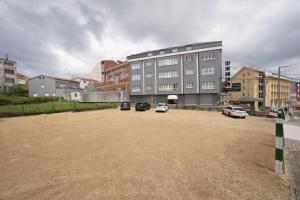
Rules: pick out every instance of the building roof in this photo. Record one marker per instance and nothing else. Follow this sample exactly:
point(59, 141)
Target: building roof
point(267, 73)
point(198, 45)
point(84, 78)
point(122, 64)
point(7, 60)
point(22, 76)
point(56, 78)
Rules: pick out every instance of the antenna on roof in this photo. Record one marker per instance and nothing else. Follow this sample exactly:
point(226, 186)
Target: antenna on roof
point(6, 57)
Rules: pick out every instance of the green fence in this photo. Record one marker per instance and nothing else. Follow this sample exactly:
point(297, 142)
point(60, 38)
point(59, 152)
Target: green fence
point(51, 107)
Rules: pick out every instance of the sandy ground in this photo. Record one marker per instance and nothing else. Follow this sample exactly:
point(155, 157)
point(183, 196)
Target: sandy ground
point(112, 154)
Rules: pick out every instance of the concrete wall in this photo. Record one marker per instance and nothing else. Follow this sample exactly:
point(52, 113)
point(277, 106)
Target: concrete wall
point(115, 96)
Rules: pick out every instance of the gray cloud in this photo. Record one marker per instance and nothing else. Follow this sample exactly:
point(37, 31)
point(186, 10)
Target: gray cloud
point(255, 33)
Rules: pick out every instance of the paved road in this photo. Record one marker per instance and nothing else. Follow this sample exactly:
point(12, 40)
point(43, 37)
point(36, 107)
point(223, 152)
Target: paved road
point(296, 120)
point(292, 139)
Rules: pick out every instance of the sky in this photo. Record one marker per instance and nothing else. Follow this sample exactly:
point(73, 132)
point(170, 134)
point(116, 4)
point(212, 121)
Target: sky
point(64, 38)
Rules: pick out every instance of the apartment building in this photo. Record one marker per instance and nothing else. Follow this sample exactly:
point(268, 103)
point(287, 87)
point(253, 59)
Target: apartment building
point(297, 87)
point(53, 86)
point(188, 74)
point(98, 70)
point(117, 72)
point(7, 73)
point(22, 80)
point(248, 82)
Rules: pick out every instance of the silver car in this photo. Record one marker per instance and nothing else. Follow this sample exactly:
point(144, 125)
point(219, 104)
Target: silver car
point(235, 111)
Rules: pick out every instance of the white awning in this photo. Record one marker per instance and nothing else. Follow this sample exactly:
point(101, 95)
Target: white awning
point(172, 97)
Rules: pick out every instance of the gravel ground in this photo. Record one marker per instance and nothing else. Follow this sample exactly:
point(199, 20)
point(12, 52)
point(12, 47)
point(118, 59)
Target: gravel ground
point(112, 154)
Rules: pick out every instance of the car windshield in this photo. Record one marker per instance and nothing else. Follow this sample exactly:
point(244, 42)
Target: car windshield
point(161, 104)
point(238, 108)
point(140, 104)
point(125, 103)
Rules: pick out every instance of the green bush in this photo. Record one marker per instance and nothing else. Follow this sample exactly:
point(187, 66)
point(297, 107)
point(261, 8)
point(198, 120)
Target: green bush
point(8, 100)
point(15, 91)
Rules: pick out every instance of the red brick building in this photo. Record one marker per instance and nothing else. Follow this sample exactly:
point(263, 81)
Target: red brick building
point(298, 91)
point(116, 76)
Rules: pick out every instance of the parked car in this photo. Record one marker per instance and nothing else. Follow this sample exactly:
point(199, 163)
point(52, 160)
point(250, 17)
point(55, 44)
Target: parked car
point(148, 106)
point(162, 107)
point(269, 109)
point(125, 106)
point(140, 107)
point(235, 111)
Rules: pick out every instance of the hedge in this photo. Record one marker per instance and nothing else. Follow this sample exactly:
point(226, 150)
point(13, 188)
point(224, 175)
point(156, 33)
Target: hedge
point(9, 100)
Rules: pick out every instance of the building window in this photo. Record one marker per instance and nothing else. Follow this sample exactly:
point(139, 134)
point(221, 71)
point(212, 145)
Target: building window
point(148, 75)
point(174, 50)
point(148, 63)
point(209, 56)
point(189, 72)
point(150, 54)
point(136, 88)
point(167, 61)
point(9, 71)
point(188, 58)
point(188, 48)
point(35, 94)
point(168, 87)
point(8, 63)
point(42, 86)
point(169, 74)
point(189, 85)
point(135, 66)
point(208, 85)
point(54, 94)
point(148, 87)
point(46, 94)
point(260, 95)
point(75, 95)
point(208, 71)
point(136, 77)
point(9, 80)
point(162, 52)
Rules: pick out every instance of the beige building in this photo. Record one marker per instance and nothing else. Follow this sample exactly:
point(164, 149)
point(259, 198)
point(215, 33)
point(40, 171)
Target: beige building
point(250, 81)
point(7, 73)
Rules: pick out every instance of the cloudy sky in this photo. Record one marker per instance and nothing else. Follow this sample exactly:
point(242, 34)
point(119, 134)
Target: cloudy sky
point(69, 37)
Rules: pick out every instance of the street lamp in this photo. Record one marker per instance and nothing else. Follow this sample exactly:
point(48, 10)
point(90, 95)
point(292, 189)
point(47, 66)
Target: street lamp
point(279, 88)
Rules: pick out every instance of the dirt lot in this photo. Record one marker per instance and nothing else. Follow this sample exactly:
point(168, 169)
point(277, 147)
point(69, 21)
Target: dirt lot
point(110, 154)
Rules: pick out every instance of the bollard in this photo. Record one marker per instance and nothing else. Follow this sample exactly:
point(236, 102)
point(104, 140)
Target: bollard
point(279, 144)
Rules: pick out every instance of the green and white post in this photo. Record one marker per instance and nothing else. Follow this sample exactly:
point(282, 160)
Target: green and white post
point(279, 143)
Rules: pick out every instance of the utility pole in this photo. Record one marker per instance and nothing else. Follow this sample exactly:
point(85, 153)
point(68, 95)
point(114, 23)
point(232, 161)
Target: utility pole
point(264, 93)
point(279, 88)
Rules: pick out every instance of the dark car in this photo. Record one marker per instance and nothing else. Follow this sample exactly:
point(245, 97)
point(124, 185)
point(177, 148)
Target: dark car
point(125, 106)
point(140, 107)
point(148, 106)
